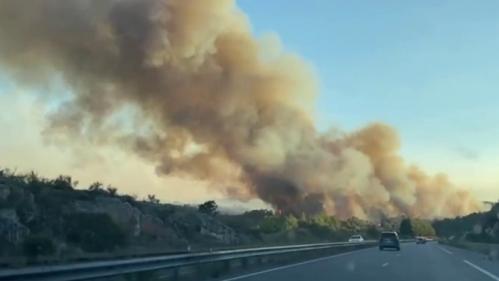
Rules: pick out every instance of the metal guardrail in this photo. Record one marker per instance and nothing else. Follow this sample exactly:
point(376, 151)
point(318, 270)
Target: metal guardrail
point(100, 269)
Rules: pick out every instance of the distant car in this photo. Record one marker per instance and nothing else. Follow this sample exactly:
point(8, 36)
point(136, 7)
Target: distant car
point(389, 240)
point(421, 240)
point(356, 238)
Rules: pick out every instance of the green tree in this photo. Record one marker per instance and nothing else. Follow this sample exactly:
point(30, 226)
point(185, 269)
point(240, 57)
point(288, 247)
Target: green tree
point(274, 224)
point(324, 220)
point(323, 226)
point(406, 228)
point(416, 227)
point(422, 228)
point(209, 208)
point(260, 214)
point(372, 232)
point(291, 222)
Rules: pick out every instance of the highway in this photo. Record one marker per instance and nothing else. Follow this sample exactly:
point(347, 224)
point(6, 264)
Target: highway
point(414, 262)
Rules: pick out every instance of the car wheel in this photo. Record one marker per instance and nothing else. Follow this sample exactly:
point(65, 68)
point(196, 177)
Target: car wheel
point(398, 248)
point(381, 248)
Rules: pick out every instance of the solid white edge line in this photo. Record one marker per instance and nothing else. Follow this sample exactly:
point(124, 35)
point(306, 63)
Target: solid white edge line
point(445, 250)
point(482, 270)
point(288, 266)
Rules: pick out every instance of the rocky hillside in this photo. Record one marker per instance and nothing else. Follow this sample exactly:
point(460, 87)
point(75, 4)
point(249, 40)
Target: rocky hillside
point(50, 220)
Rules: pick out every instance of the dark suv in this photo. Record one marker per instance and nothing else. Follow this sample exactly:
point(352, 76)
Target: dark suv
point(389, 240)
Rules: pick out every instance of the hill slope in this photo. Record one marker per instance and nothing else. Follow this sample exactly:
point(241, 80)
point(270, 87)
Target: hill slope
point(51, 219)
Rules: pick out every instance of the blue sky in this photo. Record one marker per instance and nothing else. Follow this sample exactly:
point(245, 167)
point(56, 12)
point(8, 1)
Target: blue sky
point(428, 68)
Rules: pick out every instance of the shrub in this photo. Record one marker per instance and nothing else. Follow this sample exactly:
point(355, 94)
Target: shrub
point(63, 183)
point(151, 198)
point(34, 182)
point(112, 190)
point(97, 187)
point(38, 245)
point(94, 232)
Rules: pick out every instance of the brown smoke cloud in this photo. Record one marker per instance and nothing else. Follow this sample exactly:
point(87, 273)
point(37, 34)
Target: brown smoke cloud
point(185, 85)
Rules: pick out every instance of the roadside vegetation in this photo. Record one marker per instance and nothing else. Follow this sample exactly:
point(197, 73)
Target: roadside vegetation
point(416, 227)
point(54, 219)
point(477, 227)
point(267, 227)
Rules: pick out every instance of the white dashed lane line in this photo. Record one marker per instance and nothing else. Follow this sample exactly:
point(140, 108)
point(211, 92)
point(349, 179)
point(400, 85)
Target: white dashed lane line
point(288, 266)
point(445, 250)
point(385, 264)
point(482, 270)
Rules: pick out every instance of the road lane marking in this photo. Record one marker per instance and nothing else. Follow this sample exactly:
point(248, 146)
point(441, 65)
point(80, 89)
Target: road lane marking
point(482, 270)
point(445, 250)
point(287, 266)
point(385, 264)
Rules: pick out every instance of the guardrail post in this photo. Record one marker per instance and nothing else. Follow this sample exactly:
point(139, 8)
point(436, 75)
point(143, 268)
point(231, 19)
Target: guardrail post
point(199, 271)
point(227, 265)
point(175, 273)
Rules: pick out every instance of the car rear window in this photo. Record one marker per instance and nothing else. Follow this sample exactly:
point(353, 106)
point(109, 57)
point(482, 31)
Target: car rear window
point(356, 236)
point(389, 235)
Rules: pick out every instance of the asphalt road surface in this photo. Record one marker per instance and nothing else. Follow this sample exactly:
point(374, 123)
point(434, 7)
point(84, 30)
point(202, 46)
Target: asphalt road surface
point(414, 262)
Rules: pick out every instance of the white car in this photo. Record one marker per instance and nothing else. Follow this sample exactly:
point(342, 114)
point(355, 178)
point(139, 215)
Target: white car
point(356, 238)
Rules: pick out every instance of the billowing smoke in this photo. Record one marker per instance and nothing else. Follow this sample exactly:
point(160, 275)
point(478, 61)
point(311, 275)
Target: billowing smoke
point(185, 85)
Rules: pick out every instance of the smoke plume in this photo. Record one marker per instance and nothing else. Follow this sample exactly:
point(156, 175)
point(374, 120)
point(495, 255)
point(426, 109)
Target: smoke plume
point(185, 85)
